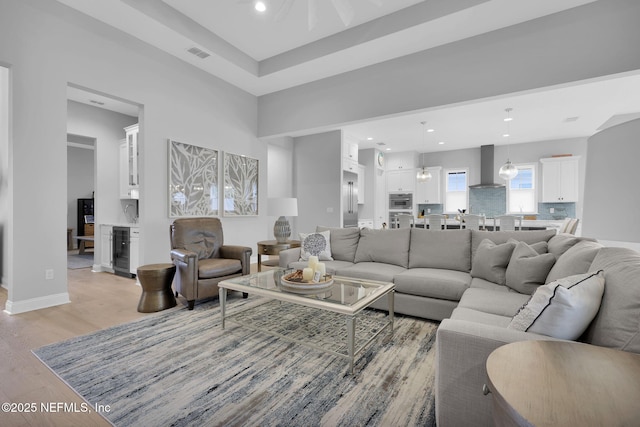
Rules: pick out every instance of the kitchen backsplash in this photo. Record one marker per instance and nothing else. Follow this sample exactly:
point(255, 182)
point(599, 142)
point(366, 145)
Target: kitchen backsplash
point(489, 201)
point(435, 209)
point(561, 211)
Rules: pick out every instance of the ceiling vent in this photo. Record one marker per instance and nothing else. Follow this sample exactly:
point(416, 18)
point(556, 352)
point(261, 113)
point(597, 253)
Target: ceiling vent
point(380, 143)
point(93, 101)
point(198, 52)
point(571, 119)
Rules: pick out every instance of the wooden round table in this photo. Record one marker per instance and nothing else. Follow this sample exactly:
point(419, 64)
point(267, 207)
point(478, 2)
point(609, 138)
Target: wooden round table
point(156, 280)
point(554, 383)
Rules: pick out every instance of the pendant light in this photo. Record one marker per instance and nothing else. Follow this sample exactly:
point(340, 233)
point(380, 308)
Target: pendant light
point(423, 175)
point(508, 171)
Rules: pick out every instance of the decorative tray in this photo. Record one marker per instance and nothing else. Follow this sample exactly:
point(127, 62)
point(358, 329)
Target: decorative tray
point(293, 283)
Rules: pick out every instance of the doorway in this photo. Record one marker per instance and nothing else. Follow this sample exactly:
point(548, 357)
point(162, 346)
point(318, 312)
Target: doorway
point(95, 131)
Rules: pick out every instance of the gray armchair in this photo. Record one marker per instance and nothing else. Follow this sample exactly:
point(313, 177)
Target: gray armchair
point(202, 259)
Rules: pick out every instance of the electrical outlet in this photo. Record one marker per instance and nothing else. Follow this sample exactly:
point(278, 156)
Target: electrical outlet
point(48, 274)
point(552, 210)
point(428, 210)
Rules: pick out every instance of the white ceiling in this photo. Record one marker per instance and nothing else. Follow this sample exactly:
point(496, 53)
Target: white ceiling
point(262, 54)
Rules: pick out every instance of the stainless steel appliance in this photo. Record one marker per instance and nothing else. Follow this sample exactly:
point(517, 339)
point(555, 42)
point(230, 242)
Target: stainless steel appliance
point(121, 251)
point(349, 199)
point(401, 201)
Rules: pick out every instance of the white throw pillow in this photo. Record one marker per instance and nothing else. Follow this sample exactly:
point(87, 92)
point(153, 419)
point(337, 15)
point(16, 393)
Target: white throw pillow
point(318, 244)
point(563, 308)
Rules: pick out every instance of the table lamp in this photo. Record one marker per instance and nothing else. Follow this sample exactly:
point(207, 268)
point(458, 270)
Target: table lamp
point(282, 207)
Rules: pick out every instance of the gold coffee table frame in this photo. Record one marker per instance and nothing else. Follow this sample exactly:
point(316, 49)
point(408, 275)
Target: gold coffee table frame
point(360, 295)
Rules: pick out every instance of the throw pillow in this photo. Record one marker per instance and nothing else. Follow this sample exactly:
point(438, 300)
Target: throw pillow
point(562, 309)
point(318, 244)
point(528, 269)
point(576, 260)
point(344, 242)
point(540, 247)
point(491, 260)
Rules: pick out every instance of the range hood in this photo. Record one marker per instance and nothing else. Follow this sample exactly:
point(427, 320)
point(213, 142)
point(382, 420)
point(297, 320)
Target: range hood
point(486, 169)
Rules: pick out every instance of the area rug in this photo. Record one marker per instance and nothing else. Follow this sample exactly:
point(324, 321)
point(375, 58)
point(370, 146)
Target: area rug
point(180, 368)
point(76, 261)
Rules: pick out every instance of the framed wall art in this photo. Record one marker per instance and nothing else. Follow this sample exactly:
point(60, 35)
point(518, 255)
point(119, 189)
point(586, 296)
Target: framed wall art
point(193, 180)
point(240, 185)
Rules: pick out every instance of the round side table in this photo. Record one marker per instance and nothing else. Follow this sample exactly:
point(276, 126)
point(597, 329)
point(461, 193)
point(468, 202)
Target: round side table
point(156, 280)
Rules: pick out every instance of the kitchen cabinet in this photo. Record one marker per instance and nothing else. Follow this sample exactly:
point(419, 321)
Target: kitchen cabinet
point(350, 155)
point(129, 176)
point(560, 179)
point(401, 180)
point(361, 183)
point(106, 246)
point(430, 191)
point(134, 249)
point(404, 160)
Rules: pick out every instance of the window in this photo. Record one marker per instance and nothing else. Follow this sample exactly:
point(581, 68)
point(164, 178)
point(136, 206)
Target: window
point(521, 190)
point(456, 189)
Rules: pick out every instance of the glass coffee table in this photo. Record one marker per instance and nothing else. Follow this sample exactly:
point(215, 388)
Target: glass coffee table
point(340, 307)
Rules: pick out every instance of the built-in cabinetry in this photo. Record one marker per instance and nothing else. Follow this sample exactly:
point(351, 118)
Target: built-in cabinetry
point(430, 191)
point(350, 155)
point(129, 176)
point(109, 252)
point(405, 160)
point(106, 246)
point(362, 176)
point(401, 180)
point(560, 179)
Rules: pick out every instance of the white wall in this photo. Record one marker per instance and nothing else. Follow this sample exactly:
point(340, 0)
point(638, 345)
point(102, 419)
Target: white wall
point(611, 195)
point(318, 180)
point(5, 197)
point(590, 41)
point(48, 46)
point(280, 177)
point(80, 183)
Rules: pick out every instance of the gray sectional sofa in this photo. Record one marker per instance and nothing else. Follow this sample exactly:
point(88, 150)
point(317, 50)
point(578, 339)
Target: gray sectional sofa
point(475, 282)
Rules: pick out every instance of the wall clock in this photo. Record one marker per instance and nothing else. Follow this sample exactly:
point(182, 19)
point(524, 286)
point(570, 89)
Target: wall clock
point(380, 159)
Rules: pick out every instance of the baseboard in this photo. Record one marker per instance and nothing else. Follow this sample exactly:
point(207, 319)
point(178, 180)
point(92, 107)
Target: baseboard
point(18, 307)
point(99, 268)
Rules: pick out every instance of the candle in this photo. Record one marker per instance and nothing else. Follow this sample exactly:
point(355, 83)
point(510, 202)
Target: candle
point(321, 268)
point(313, 261)
point(307, 274)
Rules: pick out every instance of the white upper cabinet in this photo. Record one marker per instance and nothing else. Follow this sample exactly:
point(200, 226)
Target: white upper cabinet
point(404, 160)
point(430, 191)
point(401, 180)
point(560, 179)
point(349, 155)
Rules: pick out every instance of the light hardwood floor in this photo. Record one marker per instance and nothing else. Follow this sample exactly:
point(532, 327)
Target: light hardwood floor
point(98, 301)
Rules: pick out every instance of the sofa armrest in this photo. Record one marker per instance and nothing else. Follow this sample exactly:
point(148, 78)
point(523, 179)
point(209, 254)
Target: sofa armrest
point(243, 253)
point(462, 349)
point(183, 255)
point(288, 256)
point(186, 278)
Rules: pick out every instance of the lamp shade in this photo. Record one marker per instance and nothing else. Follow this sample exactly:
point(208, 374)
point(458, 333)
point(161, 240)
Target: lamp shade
point(283, 206)
point(508, 171)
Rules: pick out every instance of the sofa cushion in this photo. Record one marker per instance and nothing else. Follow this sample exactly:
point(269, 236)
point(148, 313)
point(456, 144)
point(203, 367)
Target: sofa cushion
point(344, 242)
point(493, 301)
point(576, 260)
point(318, 244)
point(560, 243)
point(563, 308)
point(479, 283)
point(434, 249)
point(384, 246)
point(490, 261)
point(371, 271)
point(497, 237)
point(433, 282)
point(617, 324)
point(331, 267)
point(476, 316)
point(218, 267)
point(528, 269)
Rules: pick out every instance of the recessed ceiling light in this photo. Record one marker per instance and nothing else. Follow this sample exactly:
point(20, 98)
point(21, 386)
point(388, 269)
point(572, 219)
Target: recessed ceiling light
point(430, 130)
point(369, 139)
point(506, 135)
point(508, 119)
point(388, 149)
point(441, 143)
point(260, 6)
